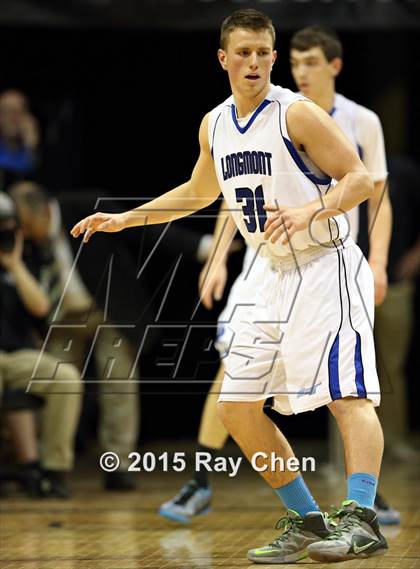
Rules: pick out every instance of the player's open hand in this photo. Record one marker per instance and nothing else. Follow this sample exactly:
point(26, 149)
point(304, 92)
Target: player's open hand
point(283, 222)
point(107, 222)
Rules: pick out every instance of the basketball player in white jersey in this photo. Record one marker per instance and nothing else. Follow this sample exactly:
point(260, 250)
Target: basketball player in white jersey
point(275, 156)
point(316, 60)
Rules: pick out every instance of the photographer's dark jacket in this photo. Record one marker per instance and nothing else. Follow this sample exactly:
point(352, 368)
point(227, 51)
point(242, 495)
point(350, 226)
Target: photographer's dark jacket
point(18, 328)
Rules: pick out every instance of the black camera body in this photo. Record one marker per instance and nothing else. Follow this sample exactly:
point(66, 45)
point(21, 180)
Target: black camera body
point(8, 223)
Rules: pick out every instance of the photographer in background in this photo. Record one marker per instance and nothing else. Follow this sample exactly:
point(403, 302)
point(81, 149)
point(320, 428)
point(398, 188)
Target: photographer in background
point(41, 224)
point(19, 138)
point(23, 306)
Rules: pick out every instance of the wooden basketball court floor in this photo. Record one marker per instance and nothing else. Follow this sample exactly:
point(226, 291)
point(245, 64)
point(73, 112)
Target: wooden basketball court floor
point(104, 530)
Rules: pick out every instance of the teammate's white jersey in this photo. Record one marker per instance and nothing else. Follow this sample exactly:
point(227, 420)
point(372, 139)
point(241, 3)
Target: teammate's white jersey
point(363, 128)
point(256, 164)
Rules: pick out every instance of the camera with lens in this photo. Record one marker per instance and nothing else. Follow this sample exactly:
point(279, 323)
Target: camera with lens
point(8, 223)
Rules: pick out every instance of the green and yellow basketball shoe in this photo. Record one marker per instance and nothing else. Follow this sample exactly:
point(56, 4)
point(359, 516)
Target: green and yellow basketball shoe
point(291, 546)
point(355, 536)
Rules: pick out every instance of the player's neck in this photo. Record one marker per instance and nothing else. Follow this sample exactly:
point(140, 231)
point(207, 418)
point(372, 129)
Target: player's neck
point(247, 105)
point(325, 100)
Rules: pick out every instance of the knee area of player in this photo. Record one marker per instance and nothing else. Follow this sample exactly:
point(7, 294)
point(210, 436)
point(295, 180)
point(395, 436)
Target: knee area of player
point(205, 461)
point(343, 408)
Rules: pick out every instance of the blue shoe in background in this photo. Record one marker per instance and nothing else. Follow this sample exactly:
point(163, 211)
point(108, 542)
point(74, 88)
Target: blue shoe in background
point(191, 501)
point(387, 516)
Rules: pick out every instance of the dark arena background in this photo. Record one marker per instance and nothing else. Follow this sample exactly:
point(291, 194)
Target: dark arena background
point(116, 91)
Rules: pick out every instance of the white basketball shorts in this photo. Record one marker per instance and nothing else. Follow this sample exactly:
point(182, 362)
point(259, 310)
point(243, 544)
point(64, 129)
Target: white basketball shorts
point(304, 335)
point(240, 303)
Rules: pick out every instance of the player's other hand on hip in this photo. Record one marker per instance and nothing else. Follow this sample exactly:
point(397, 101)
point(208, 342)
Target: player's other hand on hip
point(107, 222)
point(283, 222)
point(212, 282)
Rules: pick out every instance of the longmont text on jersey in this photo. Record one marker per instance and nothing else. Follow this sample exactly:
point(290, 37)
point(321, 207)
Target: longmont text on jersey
point(247, 162)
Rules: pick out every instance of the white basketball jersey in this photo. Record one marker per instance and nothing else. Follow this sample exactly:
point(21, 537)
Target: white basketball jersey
point(256, 164)
point(363, 128)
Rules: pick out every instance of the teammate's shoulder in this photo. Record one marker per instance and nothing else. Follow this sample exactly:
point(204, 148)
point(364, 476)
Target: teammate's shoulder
point(361, 113)
point(367, 116)
point(342, 103)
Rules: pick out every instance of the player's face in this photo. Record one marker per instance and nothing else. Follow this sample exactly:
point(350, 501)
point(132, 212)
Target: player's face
point(312, 72)
point(248, 59)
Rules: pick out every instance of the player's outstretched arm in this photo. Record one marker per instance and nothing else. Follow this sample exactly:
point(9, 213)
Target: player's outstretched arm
point(201, 190)
point(311, 128)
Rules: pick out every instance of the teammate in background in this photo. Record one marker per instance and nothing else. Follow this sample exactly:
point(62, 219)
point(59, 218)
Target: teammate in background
point(276, 156)
point(316, 60)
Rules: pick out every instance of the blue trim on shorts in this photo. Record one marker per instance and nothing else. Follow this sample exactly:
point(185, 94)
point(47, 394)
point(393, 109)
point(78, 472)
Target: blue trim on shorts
point(333, 371)
point(358, 364)
point(333, 356)
point(220, 330)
